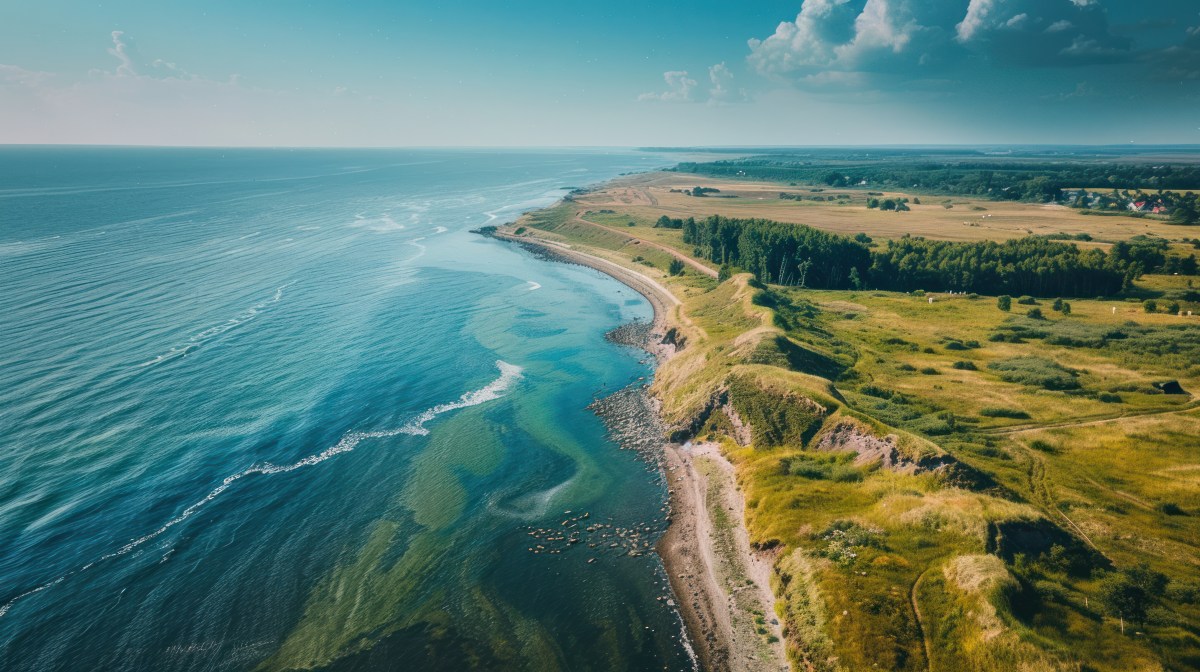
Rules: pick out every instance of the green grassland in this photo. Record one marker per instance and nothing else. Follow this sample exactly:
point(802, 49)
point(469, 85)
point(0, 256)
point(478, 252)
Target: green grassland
point(946, 485)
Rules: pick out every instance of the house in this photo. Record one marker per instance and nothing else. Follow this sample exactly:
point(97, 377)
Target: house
point(1159, 209)
point(1139, 206)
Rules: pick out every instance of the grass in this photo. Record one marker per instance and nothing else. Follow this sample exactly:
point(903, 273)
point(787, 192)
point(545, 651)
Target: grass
point(1050, 456)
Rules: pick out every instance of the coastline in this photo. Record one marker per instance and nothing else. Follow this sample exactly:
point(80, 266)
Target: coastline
point(721, 586)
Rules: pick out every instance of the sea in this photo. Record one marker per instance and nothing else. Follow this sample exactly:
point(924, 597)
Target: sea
point(270, 409)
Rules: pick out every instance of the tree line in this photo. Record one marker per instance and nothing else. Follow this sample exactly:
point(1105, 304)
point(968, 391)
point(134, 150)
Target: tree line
point(1020, 180)
point(792, 254)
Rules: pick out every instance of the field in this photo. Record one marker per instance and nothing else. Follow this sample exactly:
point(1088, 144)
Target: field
point(945, 485)
point(646, 198)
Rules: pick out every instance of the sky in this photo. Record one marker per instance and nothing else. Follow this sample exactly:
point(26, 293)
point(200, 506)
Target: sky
point(613, 73)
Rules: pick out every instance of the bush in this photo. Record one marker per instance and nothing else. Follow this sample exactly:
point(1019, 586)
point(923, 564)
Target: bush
point(929, 371)
point(998, 412)
point(1058, 304)
point(1170, 509)
point(1150, 306)
point(1035, 314)
point(1027, 301)
point(1004, 303)
point(675, 267)
point(1173, 308)
point(965, 366)
point(1036, 372)
point(1109, 398)
point(1043, 446)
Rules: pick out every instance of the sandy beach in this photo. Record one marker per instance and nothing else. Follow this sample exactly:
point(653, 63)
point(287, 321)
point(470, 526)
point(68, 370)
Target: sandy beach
point(721, 585)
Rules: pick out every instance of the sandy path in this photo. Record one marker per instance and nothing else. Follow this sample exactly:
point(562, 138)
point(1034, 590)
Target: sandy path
point(696, 265)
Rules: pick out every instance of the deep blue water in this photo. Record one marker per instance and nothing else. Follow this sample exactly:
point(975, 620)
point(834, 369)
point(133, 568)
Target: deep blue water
point(270, 409)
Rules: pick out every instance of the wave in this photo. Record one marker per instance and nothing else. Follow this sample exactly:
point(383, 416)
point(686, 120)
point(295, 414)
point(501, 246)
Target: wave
point(533, 285)
point(509, 375)
point(381, 224)
point(199, 338)
point(440, 229)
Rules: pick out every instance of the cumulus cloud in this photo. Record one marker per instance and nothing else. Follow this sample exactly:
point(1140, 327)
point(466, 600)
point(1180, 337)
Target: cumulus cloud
point(891, 41)
point(721, 90)
point(679, 88)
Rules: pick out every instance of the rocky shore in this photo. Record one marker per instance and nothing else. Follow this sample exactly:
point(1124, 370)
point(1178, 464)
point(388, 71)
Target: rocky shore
point(720, 585)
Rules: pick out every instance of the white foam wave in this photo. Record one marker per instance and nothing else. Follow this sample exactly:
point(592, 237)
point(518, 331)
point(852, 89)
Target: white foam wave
point(381, 224)
point(199, 338)
point(533, 285)
point(509, 374)
point(440, 229)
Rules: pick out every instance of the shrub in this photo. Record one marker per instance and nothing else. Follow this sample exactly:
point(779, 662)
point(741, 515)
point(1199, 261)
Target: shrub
point(965, 366)
point(1004, 302)
point(955, 345)
point(1058, 304)
point(1036, 372)
point(1170, 509)
point(1109, 398)
point(929, 371)
point(999, 412)
point(1035, 314)
point(675, 267)
point(1027, 301)
point(1043, 446)
point(1150, 306)
point(906, 367)
point(1173, 308)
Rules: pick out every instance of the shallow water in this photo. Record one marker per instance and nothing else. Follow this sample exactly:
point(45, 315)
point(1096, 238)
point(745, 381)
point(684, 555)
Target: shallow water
point(270, 409)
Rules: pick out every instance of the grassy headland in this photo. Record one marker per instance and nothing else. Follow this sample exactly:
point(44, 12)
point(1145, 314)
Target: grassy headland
point(939, 484)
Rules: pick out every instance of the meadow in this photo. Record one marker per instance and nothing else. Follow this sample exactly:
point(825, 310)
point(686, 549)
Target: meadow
point(945, 484)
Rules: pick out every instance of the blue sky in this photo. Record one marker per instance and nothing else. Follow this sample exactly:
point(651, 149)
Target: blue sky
point(587, 73)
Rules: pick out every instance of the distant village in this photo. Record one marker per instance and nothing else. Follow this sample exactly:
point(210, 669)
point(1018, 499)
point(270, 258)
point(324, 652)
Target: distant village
point(1181, 208)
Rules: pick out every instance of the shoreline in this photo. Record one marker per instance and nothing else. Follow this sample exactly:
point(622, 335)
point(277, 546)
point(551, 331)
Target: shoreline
point(720, 622)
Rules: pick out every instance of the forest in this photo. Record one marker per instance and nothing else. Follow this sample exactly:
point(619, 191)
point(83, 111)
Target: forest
point(791, 254)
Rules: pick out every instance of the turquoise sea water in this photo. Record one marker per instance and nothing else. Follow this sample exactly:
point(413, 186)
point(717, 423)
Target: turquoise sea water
point(267, 409)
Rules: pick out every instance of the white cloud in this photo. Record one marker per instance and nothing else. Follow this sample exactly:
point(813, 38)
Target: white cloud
point(1017, 21)
point(679, 88)
point(121, 51)
point(1060, 26)
point(978, 13)
point(721, 80)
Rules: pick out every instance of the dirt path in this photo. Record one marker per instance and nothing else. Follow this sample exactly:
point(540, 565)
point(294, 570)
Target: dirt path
point(912, 598)
point(1089, 421)
point(658, 246)
point(1040, 490)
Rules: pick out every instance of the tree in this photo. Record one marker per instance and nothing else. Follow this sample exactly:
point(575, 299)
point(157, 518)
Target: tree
point(1123, 598)
point(1173, 308)
point(675, 267)
point(855, 281)
point(725, 272)
point(663, 222)
point(1129, 593)
point(802, 268)
point(1004, 303)
point(1066, 308)
point(1058, 304)
point(862, 238)
point(1035, 314)
point(1150, 306)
